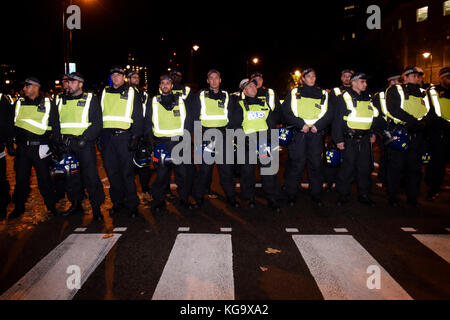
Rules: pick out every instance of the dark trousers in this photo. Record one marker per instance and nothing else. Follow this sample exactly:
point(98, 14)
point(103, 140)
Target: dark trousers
point(27, 157)
point(144, 178)
point(408, 163)
point(4, 185)
point(163, 175)
point(86, 177)
point(357, 164)
point(118, 163)
point(304, 149)
point(440, 154)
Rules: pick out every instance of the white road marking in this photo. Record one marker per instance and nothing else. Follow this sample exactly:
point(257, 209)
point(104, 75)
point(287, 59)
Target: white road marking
point(184, 229)
point(120, 229)
point(47, 280)
point(438, 243)
point(200, 267)
point(80, 229)
point(339, 265)
point(409, 229)
point(226, 229)
point(340, 230)
point(292, 230)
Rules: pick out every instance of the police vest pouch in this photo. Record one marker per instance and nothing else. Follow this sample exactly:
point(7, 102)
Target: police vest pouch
point(176, 113)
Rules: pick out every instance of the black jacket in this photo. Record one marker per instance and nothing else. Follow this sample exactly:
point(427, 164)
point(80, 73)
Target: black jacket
point(393, 102)
point(6, 121)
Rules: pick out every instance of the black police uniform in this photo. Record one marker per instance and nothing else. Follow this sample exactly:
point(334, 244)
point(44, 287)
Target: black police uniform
point(204, 174)
point(305, 147)
point(6, 125)
point(83, 148)
point(357, 159)
point(28, 145)
point(118, 147)
point(382, 126)
point(438, 141)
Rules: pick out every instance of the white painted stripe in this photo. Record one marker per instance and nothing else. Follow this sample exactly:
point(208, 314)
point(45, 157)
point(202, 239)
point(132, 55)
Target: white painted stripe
point(409, 229)
point(292, 230)
point(200, 267)
point(80, 229)
point(340, 230)
point(226, 229)
point(339, 265)
point(120, 229)
point(439, 243)
point(184, 229)
point(47, 280)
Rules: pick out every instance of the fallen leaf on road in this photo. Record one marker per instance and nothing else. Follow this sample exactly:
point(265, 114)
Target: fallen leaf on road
point(264, 269)
point(271, 250)
point(109, 235)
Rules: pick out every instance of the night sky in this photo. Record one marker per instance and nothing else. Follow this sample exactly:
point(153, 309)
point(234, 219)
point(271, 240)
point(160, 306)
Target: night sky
point(284, 35)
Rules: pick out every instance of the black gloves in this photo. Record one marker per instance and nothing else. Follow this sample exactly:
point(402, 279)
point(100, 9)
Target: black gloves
point(133, 144)
point(10, 149)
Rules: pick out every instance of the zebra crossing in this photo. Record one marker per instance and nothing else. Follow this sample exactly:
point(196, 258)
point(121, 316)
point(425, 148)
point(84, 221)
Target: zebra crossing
point(201, 266)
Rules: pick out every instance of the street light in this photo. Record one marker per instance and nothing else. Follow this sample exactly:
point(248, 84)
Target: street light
point(254, 60)
point(195, 47)
point(427, 55)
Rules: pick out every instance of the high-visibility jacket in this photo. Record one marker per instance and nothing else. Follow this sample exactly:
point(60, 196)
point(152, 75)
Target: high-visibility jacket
point(213, 113)
point(309, 109)
point(361, 116)
point(271, 98)
point(117, 108)
point(441, 104)
point(33, 118)
point(418, 107)
point(74, 114)
point(168, 123)
point(254, 116)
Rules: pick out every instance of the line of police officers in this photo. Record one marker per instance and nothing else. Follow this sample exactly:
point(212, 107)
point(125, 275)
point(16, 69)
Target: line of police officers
point(124, 119)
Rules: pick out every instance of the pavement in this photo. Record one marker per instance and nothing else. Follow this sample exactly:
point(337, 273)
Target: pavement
point(304, 252)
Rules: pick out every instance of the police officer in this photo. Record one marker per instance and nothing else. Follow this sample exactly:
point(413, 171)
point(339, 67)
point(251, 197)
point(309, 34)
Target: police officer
point(353, 132)
point(36, 125)
point(346, 83)
point(144, 172)
point(6, 124)
point(421, 76)
point(80, 117)
point(439, 132)
point(379, 102)
point(254, 116)
point(267, 94)
point(122, 129)
point(407, 105)
point(213, 109)
point(178, 87)
point(65, 88)
point(306, 109)
point(167, 116)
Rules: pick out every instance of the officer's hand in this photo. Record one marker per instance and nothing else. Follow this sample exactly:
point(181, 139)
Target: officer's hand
point(133, 144)
point(11, 150)
point(340, 145)
point(313, 129)
point(305, 128)
point(373, 138)
point(81, 143)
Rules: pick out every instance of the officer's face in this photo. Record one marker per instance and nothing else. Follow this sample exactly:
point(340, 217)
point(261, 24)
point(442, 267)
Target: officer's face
point(310, 78)
point(166, 86)
point(75, 87)
point(134, 80)
point(176, 77)
point(259, 81)
point(412, 78)
point(346, 78)
point(445, 81)
point(214, 81)
point(65, 83)
point(117, 79)
point(31, 91)
point(251, 90)
point(359, 85)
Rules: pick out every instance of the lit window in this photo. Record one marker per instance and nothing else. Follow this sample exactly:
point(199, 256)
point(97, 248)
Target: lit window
point(422, 14)
point(353, 35)
point(446, 8)
point(399, 24)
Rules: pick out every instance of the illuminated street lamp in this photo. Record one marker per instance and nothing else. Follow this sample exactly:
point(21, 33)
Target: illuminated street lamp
point(195, 47)
point(254, 60)
point(7, 81)
point(427, 55)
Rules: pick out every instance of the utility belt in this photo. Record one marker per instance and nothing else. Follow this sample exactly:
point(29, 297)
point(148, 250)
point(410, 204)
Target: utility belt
point(31, 142)
point(117, 132)
point(356, 134)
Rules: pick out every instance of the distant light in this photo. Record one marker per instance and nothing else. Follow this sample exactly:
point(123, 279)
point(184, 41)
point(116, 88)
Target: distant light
point(56, 81)
point(168, 69)
point(174, 53)
point(128, 66)
point(297, 73)
point(255, 60)
point(7, 81)
point(426, 55)
point(195, 47)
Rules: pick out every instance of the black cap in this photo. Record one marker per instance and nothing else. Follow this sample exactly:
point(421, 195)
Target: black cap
point(410, 70)
point(306, 71)
point(359, 75)
point(176, 72)
point(394, 75)
point(165, 77)
point(76, 76)
point(32, 81)
point(116, 69)
point(131, 73)
point(348, 71)
point(256, 74)
point(444, 72)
